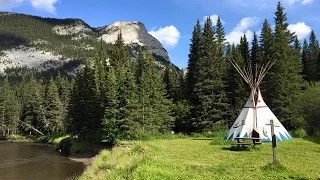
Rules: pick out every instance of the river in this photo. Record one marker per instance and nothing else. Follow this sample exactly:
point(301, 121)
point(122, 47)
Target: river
point(35, 162)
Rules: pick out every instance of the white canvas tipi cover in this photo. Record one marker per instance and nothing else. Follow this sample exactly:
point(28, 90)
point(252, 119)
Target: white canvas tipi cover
point(264, 115)
point(243, 125)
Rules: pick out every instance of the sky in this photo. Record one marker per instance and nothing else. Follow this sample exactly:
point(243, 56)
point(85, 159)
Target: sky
point(172, 21)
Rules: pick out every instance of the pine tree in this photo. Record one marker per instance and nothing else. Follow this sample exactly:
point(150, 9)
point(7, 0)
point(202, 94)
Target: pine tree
point(170, 80)
point(245, 51)
point(304, 59)
point(64, 89)
point(313, 49)
point(220, 36)
point(9, 109)
point(237, 87)
point(154, 111)
point(110, 125)
point(54, 109)
point(181, 88)
point(84, 120)
point(127, 99)
point(194, 57)
point(285, 76)
point(267, 46)
point(33, 111)
point(211, 97)
point(255, 54)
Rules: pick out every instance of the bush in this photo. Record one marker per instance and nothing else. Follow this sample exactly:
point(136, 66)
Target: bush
point(308, 105)
point(299, 133)
point(17, 137)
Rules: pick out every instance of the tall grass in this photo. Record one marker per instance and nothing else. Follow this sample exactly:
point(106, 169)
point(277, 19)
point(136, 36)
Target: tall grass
point(188, 158)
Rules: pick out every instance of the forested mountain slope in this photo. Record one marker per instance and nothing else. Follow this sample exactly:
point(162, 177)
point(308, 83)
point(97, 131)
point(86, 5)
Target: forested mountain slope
point(45, 43)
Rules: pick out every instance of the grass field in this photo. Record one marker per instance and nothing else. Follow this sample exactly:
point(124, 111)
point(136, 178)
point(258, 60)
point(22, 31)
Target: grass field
point(206, 159)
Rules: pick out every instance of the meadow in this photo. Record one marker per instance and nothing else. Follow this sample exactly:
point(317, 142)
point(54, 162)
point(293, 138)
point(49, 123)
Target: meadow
point(203, 158)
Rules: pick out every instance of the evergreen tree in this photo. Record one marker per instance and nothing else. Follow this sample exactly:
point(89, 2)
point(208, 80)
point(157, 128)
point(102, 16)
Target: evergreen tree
point(194, 57)
point(33, 111)
point(170, 80)
point(9, 109)
point(237, 87)
point(54, 109)
point(313, 49)
point(285, 80)
point(255, 55)
point(64, 89)
point(245, 51)
point(304, 59)
point(220, 36)
point(110, 125)
point(84, 120)
point(127, 99)
point(154, 111)
point(211, 97)
point(267, 46)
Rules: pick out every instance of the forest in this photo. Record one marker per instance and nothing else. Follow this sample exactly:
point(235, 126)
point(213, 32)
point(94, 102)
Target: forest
point(114, 98)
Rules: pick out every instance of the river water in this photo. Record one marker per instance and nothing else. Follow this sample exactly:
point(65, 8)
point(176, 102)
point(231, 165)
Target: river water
point(33, 161)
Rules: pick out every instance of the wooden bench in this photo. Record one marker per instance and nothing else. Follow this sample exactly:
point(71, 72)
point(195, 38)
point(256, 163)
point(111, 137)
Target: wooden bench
point(254, 142)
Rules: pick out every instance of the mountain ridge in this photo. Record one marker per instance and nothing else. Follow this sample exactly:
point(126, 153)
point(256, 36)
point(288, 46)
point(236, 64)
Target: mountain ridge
point(67, 39)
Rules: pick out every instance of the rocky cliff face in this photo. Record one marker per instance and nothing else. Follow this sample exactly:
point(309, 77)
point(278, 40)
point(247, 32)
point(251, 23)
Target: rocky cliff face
point(134, 33)
point(59, 41)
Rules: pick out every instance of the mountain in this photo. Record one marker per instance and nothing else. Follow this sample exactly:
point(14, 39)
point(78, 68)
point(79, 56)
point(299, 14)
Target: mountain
point(46, 43)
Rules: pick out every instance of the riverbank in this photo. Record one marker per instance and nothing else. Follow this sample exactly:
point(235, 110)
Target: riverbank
point(76, 151)
point(213, 158)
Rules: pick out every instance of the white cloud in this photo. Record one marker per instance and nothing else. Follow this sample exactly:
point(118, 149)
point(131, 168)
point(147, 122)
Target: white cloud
point(302, 2)
point(241, 29)
point(46, 5)
point(168, 36)
point(214, 19)
point(263, 6)
point(306, 2)
point(8, 4)
point(301, 29)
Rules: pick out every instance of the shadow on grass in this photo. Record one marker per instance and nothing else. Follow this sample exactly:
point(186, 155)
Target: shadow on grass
point(241, 148)
point(313, 139)
point(202, 139)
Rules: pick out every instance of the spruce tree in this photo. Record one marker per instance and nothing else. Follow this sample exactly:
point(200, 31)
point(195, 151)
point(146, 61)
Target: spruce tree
point(237, 87)
point(126, 82)
point(194, 57)
point(170, 80)
point(211, 97)
point(255, 55)
point(84, 120)
point(154, 108)
point(304, 59)
point(9, 109)
point(285, 80)
point(267, 46)
point(220, 36)
point(33, 111)
point(110, 125)
point(313, 49)
point(54, 109)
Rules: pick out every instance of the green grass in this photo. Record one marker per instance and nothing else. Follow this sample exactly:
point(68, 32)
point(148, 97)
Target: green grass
point(206, 159)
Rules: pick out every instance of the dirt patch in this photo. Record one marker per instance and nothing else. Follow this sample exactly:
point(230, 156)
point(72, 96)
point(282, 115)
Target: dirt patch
point(86, 158)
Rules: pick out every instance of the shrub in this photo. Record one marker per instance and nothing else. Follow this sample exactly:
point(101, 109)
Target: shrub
point(299, 133)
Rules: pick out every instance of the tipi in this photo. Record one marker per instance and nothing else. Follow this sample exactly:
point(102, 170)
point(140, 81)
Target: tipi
point(254, 118)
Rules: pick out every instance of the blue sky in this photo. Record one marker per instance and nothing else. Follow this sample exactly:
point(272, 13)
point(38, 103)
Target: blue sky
point(172, 21)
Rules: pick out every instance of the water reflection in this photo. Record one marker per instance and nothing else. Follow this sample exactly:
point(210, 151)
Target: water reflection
point(35, 162)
